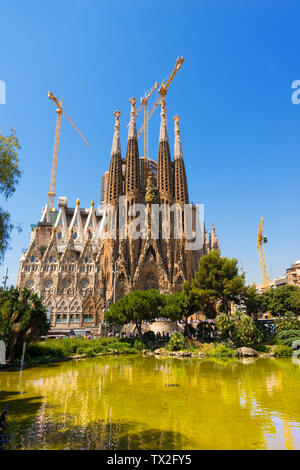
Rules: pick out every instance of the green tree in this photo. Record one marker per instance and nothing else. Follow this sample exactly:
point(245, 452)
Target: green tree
point(22, 319)
point(206, 331)
point(281, 300)
point(219, 283)
point(9, 178)
point(183, 304)
point(240, 329)
point(288, 337)
point(252, 301)
point(136, 306)
point(287, 322)
point(177, 342)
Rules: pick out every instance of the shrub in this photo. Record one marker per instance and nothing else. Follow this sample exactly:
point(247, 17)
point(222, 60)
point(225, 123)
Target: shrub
point(268, 336)
point(262, 348)
point(221, 351)
point(189, 330)
point(206, 331)
point(149, 336)
point(287, 337)
point(177, 341)
point(138, 345)
point(89, 352)
point(287, 322)
point(65, 347)
point(120, 348)
point(282, 351)
point(239, 328)
point(206, 348)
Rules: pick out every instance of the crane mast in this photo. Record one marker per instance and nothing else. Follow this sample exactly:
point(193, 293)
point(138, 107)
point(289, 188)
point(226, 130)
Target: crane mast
point(51, 192)
point(261, 240)
point(59, 113)
point(144, 102)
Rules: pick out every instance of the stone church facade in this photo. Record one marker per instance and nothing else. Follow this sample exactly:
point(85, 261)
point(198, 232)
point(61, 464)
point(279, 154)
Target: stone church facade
point(78, 270)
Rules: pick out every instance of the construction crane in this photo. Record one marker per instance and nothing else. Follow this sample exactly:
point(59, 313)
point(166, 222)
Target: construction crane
point(59, 113)
point(163, 90)
point(144, 102)
point(261, 240)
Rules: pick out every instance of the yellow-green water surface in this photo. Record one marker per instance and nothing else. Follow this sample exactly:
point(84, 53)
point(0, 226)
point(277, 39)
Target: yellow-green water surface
point(134, 402)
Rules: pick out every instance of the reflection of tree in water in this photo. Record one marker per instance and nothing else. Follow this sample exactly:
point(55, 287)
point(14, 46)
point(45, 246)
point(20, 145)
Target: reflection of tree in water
point(17, 419)
point(123, 403)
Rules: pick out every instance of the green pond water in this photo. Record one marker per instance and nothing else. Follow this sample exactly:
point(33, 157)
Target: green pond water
point(134, 402)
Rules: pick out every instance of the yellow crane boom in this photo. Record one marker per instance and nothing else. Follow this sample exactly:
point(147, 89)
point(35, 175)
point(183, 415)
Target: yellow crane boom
point(59, 113)
point(261, 240)
point(163, 90)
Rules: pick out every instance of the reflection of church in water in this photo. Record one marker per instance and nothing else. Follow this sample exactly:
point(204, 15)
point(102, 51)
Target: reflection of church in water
point(71, 266)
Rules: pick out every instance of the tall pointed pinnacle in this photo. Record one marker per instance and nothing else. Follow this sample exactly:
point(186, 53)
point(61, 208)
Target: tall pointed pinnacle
point(132, 124)
point(116, 146)
point(114, 184)
point(180, 185)
point(177, 143)
point(214, 242)
point(164, 167)
point(132, 170)
point(163, 133)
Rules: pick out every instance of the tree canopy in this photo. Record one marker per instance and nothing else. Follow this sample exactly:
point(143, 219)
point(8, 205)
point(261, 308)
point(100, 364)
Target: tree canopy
point(136, 306)
point(182, 304)
point(22, 318)
point(240, 329)
point(9, 178)
point(219, 282)
point(288, 321)
point(281, 300)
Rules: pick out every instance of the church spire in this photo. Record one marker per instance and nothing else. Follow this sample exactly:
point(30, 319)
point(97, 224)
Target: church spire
point(132, 124)
point(164, 167)
point(132, 171)
point(116, 146)
point(163, 133)
point(114, 184)
point(181, 190)
point(214, 242)
point(177, 143)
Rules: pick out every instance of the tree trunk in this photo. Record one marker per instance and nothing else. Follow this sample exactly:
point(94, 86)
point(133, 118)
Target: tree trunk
point(139, 328)
point(187, 326)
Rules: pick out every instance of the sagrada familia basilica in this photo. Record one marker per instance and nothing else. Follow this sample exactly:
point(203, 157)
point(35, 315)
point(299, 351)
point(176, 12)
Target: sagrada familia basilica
point(78, 272)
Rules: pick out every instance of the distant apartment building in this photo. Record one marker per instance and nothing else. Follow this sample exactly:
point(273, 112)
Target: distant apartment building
point(276, 282)
point(293, 274)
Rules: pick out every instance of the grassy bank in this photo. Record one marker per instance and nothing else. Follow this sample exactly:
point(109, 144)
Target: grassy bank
point(69, 347)
point(66, 348)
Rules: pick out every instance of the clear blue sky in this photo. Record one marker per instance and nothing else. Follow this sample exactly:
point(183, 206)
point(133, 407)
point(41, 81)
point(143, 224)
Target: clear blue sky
point(240, 130)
